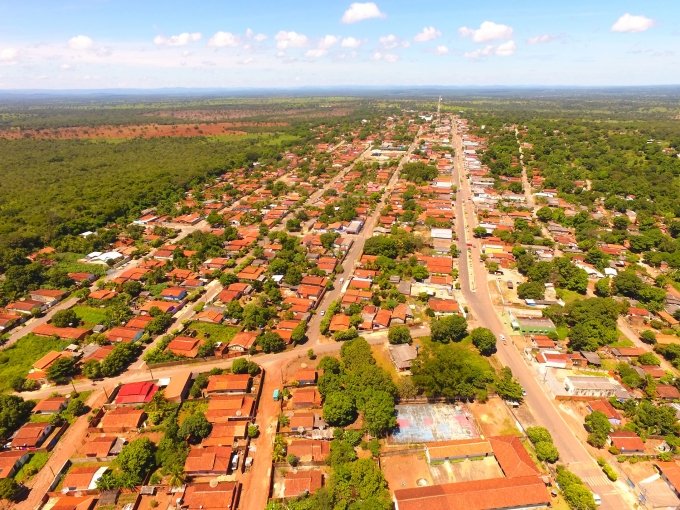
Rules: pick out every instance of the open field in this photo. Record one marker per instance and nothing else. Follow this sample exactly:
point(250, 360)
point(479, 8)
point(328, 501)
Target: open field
point(125, 132)
point(214, 332)
point(16, 360)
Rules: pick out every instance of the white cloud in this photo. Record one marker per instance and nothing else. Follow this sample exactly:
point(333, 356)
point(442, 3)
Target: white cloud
point(177, 40)
point(631, 23)
point(481, 52)
point(386, 57)
point(487, 31)
point(65, 67)
point(328, 41)
point(285, 40)
point(360, 11)
point(315, 53)
point(350, 42)
point(250, 34)
point(540, 39)
point(441, 50)
point(324, 44)
point(80, 42)
point(8, 55)
point(223, 40)
point(391, 41)
point(506, 49)
point(427, 34)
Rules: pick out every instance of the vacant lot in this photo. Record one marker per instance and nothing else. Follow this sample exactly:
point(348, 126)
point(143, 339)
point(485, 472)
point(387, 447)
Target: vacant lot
point(213, 332)
point(417, 474)
point(494, 418)
point(16, 360)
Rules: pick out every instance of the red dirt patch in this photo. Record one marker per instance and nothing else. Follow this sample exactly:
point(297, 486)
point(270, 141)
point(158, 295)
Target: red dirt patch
point(126, 132)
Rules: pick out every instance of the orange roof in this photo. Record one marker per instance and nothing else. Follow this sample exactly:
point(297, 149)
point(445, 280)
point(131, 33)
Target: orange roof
point(512, 457)
point(184, 346)
point(314, 450)
point(671, 472)
point(228, 382)
point(209, 459)
point(490, 494)
point(65, 333)
point(302, 482)
point(204, 496)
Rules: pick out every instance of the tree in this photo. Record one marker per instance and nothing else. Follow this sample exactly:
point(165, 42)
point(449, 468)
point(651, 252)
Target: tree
point(648, 358)
point(14, 411)
point(379, 415)
point(9, 489)
point(406, 389)
point(271, 342)
point(119, 358)
point(452, 372)
point(648, 336)
point(507, 386)
point(479, 232)
point(195, 428)
point(484, 340)
point(545, 214)
point(136, 459)
point(360, 485)
point(538, 435)
point(546, 452)
point(399, 335)
point(92, 369)
point(419, 173)
point(451, 328)
point(65, 318)
point(573, 489)
point(293, 225)
point(62, 370)
point(531, 290)
point(299, 333)
point(339, 409)
point(598, 427)
point(341, 452)
point(159, 324)
point(603, 287)
point(244, 366)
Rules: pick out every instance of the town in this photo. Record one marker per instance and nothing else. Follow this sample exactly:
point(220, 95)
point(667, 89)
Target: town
point(406, 315)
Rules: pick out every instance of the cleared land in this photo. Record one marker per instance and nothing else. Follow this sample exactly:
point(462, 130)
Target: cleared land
point(126, 132)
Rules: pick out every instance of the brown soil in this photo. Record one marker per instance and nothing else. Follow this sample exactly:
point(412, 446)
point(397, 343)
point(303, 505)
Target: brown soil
point(126, 132)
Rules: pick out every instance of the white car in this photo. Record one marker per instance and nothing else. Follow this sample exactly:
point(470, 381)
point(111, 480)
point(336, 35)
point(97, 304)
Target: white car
point(502, 337)
point(322, 313)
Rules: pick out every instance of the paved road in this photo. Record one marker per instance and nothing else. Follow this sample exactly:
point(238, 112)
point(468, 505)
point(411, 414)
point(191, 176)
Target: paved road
point(474, 284)
point(33, 323)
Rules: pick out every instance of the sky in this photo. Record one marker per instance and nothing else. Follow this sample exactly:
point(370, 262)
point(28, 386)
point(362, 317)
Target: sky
point(95, 44)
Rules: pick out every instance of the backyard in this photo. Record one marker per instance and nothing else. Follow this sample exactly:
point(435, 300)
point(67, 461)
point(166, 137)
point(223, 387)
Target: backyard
point(16, 361)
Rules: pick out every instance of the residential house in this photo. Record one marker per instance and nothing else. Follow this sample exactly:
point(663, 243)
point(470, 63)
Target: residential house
point(122, 419)
point(136, 393)
point(208, 461)
point(31, 435)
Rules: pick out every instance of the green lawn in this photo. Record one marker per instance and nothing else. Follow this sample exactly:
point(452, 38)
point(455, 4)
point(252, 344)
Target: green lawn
point(69, 263)
point(157, 289)
point(16, 360)
point(216, 332)
point(562, 332)
point(569, 296)
point(90, 315)
point(35, 464)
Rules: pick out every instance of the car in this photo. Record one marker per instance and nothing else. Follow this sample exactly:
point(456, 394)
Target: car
point(524, 392)
point(597, 498)
point(502, 337)
point(322, 313)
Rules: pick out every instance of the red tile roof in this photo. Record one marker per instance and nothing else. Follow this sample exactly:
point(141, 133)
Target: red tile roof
point(490, 494)
point(136, 393)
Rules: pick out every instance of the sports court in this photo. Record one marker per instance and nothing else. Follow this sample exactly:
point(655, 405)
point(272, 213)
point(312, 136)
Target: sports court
point(425, 423)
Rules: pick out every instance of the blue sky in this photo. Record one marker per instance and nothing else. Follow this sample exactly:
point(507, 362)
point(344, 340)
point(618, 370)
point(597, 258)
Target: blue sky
point(85, 44)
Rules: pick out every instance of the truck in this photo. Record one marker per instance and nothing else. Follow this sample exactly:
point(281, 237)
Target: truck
point(277, 394)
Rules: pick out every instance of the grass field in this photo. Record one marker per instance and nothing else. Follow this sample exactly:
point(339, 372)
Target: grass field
point(16, 360)
point(214, 332)
point(69, 262)
point(31, 468)
point(90, 315)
